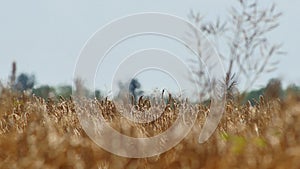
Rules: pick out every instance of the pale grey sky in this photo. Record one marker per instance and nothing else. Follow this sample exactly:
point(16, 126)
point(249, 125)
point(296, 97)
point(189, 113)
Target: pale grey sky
point(45, 37)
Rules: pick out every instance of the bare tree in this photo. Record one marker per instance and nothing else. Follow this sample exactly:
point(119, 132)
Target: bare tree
point(250, 49)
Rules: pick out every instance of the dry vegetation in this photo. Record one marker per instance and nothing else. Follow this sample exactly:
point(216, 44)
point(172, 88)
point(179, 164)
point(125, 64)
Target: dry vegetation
point(35, 133)
point(38, 133)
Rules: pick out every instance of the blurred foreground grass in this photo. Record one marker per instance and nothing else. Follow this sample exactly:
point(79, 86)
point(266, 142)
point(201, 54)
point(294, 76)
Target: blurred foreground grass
point(35, 133)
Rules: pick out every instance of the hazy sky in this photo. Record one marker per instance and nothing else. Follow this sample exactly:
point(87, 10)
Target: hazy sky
point(45, 37)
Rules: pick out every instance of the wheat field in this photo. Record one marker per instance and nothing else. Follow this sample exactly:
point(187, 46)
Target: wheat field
point(38, 133)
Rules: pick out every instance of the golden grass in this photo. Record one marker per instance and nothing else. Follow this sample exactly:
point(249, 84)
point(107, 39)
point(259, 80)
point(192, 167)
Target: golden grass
point(39, 134)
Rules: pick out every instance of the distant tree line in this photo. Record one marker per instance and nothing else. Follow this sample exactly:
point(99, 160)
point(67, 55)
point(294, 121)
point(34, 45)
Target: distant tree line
point(26, 82)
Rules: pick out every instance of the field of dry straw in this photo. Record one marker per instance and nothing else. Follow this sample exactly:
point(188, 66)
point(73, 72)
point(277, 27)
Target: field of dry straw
point(35, 133)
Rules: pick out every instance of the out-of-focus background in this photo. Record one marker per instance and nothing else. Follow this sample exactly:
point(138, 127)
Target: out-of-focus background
point(45, 38)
